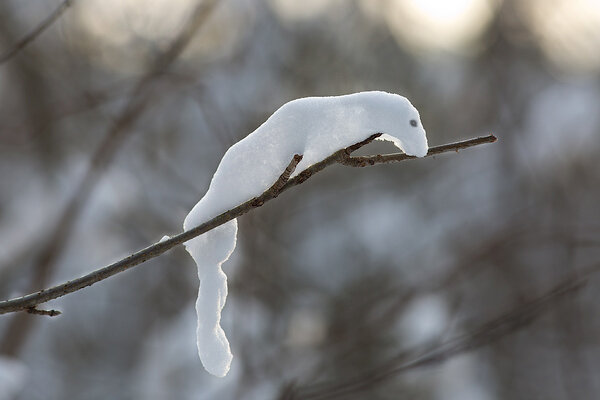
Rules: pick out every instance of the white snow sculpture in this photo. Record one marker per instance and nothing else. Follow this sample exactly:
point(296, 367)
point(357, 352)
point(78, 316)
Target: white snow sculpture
point(314, 127)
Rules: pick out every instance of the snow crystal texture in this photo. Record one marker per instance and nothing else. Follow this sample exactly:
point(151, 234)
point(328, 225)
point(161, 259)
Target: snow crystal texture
point(314, 127)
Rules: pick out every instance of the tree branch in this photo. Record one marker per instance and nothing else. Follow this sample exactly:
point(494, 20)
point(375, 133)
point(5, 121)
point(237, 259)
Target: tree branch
point(31, 36)
point(274, 190)
point(49, 313)
point(435, 354)
point(282, 184)
point(397, 157)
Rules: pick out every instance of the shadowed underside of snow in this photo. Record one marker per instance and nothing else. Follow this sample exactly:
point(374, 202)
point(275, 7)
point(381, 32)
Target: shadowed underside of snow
point(314, 127)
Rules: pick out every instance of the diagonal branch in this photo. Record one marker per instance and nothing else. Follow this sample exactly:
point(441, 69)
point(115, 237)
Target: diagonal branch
point(31, 36)
point(488, 333)
point(274, 190)
point(282, 184)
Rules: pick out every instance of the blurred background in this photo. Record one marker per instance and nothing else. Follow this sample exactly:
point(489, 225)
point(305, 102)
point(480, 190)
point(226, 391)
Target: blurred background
point(454, 277)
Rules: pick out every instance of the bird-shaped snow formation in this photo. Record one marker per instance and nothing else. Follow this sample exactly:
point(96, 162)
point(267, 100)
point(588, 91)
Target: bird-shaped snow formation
point(314, 127)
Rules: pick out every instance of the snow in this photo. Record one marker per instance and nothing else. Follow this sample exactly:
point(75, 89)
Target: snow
point(314, 127)
point(164, 238)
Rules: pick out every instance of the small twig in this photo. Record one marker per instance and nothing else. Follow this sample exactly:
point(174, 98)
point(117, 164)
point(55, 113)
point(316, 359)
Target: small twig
point(285, 176)
point(397, 157)
point(31, 36)
point(49, 313)
point(282, 184)
point(354, 147)
point(332, 159)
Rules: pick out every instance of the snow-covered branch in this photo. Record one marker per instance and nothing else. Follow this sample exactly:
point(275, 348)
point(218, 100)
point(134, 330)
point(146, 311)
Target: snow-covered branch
point(30, 301)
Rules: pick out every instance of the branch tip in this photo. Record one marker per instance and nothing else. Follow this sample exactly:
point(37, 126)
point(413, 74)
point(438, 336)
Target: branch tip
point(36, 311)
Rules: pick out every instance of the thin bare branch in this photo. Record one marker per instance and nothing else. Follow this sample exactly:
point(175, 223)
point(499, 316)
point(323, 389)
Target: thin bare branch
point(31, 36)
point(49, 313)
point(285, 176)
point(397, 157)
point(354, 147)
point(282, 184)
point(486, 334)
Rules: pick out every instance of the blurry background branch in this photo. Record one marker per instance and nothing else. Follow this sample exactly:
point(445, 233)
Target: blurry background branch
point(57, 237)
point(31, 36)
point(282, 184)
point(488, 333)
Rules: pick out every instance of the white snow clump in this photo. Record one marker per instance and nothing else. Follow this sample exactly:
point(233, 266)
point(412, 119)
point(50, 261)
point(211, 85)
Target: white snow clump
point(314, 127)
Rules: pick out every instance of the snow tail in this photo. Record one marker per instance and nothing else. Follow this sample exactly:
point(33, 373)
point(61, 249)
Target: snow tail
point(210, 250)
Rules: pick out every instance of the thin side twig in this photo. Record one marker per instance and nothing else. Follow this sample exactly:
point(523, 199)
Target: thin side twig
point(332, 159)
point(31, 36)
point(282, 184)
point(397, 157)
point(49, 313)
point(274, 190)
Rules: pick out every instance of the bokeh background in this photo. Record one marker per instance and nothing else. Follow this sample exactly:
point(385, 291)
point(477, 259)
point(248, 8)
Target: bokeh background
point(466, 276)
